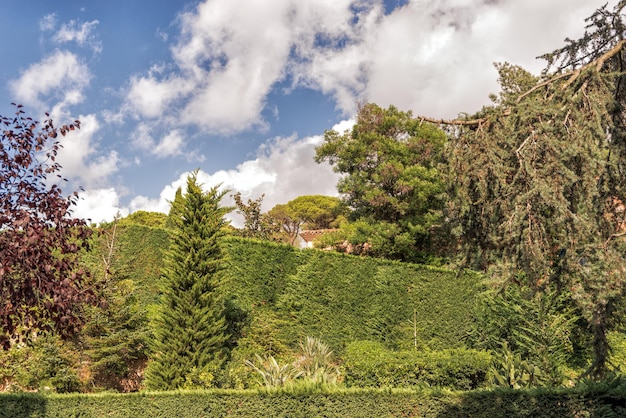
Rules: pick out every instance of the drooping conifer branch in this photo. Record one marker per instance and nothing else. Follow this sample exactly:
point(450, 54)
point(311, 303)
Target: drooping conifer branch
point(571, 77)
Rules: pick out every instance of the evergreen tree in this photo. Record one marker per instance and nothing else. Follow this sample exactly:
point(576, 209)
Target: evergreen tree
point(190, 328)
point(391, 181)
point(539, 176)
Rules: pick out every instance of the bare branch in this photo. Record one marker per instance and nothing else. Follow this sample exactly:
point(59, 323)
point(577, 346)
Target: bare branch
point(456, 122)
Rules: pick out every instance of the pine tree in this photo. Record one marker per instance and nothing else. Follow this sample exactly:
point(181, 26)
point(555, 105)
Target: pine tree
point(190, 328)
point(391, 182)
point(539, 176)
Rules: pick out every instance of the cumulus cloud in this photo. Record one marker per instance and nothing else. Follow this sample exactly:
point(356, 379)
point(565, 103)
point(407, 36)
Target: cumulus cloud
point(283, 169)
point(435, 57)
point(99, 205)
point(432, 57)
point(55, 84)
point(80, 157)
point(150, 96)
point(230, 54)
point(60, 76)
point(171, 144)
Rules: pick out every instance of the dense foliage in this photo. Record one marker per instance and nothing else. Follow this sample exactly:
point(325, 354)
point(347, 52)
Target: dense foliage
point(275, 295)
point(41, 285)
point(370, 364)
point(539, 176)
point(392, 183)
point(593, 401)
point(189, 346)
point(126, 261)
point(404, 305)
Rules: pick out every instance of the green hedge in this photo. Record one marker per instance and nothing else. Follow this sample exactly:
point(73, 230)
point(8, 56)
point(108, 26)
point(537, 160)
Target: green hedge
point(258, 272)
point(370, 364)
point(277, 295)
point(342, 298)
point(594, 402)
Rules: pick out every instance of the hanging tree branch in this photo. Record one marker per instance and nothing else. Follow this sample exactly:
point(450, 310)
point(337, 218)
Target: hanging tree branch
point(598, 63)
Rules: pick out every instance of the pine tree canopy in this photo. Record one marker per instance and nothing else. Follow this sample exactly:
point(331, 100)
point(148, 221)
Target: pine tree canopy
point(391, 180)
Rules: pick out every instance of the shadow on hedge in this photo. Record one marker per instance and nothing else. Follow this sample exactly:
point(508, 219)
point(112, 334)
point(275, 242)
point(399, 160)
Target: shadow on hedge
point(547, 402)
point(22, 405)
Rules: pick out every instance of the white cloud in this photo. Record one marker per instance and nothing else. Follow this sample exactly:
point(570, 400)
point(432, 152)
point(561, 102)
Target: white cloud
point(433, 57)
point(81, 33)
point(61, 76)
point(142, 137)
point(54, 84)
point(230, 55)
point(171, 144)
point(283, 170)
point(80, 157)
point(48, 22)
point(98, 205)
point(149, 97)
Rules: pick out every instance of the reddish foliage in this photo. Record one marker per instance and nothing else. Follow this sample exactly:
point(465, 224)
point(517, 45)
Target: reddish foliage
point(41, 284)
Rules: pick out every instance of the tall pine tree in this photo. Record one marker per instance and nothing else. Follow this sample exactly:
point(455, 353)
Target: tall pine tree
point(539, 176)
point(190, 329)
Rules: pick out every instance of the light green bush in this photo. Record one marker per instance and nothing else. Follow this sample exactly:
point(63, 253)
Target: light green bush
point(370, 364)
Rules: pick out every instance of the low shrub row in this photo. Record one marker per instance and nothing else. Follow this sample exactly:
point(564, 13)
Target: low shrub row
point(598, 401)
point(370, 364)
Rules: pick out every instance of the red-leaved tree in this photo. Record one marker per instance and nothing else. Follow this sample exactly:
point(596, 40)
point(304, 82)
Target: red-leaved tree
point(41, 283)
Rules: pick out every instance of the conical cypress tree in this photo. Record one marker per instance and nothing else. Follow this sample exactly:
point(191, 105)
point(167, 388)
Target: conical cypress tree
point(190, 328)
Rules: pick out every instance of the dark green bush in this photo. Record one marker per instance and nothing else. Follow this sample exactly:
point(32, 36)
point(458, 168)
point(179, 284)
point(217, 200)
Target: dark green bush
point(370, 364)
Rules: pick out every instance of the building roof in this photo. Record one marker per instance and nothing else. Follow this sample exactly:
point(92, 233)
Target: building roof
point(309, 235)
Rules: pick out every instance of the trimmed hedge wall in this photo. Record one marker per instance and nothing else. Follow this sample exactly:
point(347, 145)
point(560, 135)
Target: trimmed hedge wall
point(600, 402)
point(342, 298)
point(258, 271)
point(277, 295)
point(337, 297)
point(293, 293)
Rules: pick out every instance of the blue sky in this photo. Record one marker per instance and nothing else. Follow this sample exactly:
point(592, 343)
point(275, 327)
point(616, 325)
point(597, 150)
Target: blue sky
point(243, 89)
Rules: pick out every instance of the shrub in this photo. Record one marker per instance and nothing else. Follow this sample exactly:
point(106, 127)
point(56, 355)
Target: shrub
point(370, 364)
point(44, 362)
point(273, 374)
point(537, 326)
point(511, 371)
point(313, 364)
